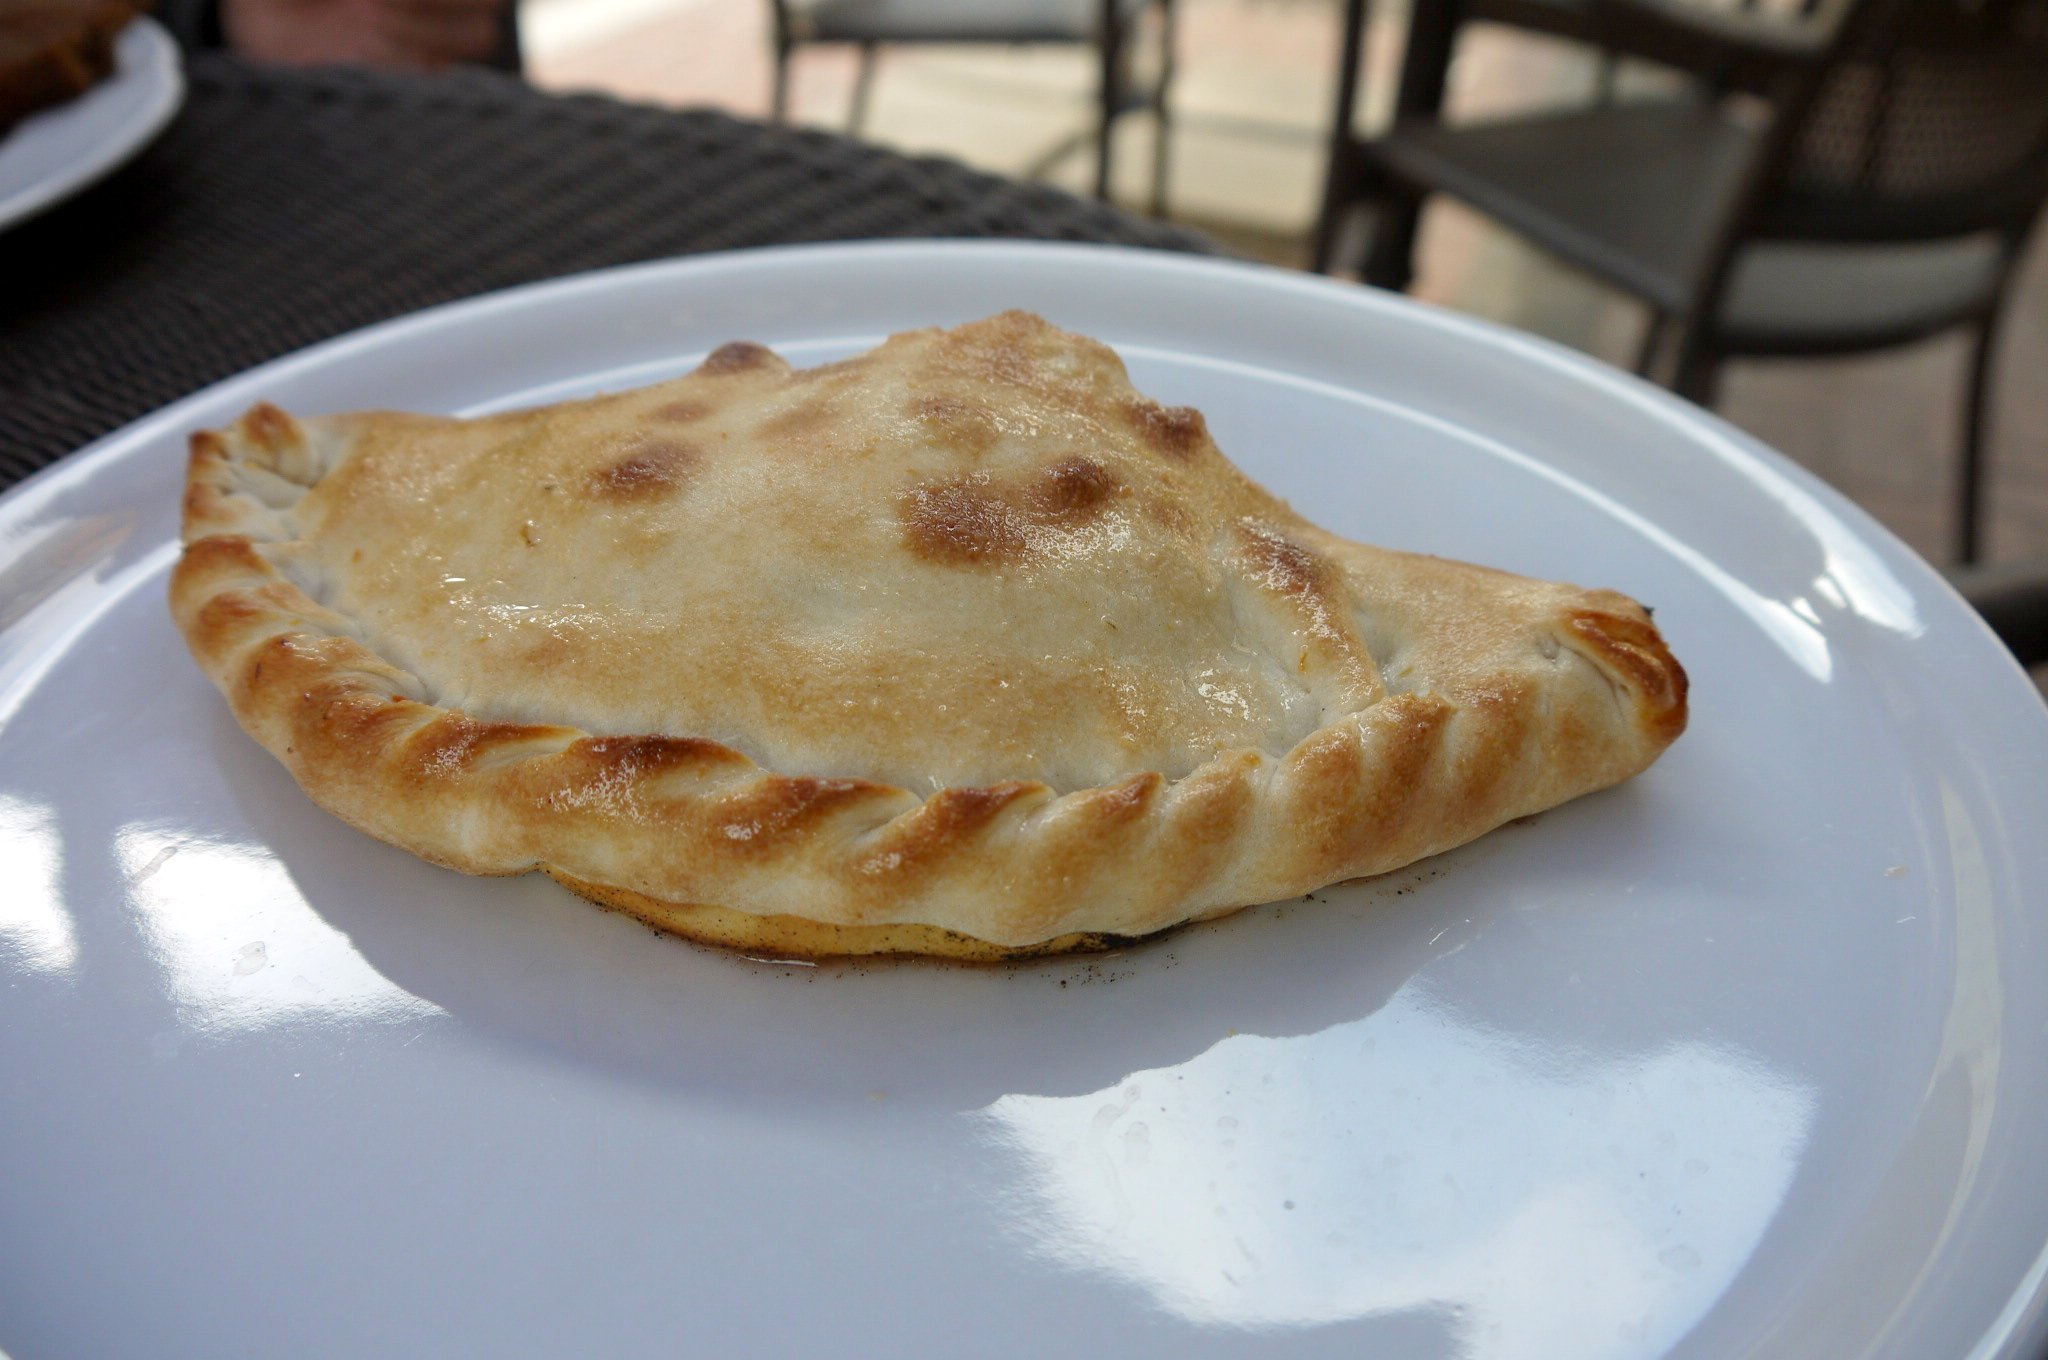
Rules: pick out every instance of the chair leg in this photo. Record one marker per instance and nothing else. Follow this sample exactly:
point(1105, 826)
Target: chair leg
point(1355, 188)
point(1653, 342)
point(508, 55)
point(1340, 167)
point(1390, 257)
point(1976, 408)
point(1606, 76)
point(778, 99)
point(1698, 375)
point(1111, 95)
point(1164, 128)
point(1340, 197)
point(863, 89)
point(1425, 67)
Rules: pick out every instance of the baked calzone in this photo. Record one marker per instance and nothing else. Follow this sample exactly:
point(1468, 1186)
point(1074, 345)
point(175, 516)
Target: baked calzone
point(958, 647)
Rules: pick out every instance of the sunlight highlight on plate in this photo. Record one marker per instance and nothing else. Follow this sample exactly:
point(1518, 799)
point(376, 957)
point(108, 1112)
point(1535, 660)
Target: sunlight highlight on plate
point(238, 945)
point(1414, 1162)
point(36, 931)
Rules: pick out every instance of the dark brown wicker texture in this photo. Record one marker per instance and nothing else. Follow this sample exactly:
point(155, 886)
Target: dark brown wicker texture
point(282, 208)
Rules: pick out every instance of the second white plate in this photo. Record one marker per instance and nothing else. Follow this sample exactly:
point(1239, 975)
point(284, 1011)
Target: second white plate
point(52, 155)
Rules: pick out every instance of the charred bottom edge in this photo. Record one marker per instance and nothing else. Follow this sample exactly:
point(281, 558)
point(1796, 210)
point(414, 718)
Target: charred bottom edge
point(793, 937)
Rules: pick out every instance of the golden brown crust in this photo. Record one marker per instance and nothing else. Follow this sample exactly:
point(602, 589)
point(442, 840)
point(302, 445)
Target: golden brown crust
point(1130, 687)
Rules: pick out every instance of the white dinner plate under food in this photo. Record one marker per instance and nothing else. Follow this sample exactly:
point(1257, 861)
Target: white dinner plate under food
point(1740, 1059)
point(51, 155)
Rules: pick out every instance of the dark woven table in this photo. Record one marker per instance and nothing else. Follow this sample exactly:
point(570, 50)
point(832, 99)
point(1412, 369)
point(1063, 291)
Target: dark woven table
point(284, 207)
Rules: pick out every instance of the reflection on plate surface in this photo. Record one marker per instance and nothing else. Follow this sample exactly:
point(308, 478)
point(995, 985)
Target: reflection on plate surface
point(1358, 1171)
point(36, 933)
point(238, 945)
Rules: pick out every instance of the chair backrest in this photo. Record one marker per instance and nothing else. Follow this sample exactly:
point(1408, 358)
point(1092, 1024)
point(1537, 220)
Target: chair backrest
point(1931, 121)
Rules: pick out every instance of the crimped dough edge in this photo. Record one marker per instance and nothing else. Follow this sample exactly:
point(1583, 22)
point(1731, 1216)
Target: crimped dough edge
point(695, 838)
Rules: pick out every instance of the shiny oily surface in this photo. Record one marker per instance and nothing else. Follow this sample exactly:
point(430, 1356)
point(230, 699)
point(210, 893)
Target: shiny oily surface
point(1738, 1059)
point(53, 154)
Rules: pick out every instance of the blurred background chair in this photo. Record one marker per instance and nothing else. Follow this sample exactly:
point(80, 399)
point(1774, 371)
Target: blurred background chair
point(1858, 179)
point(1108, 26)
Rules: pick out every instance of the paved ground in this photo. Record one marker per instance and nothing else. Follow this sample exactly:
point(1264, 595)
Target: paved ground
point(1251, 109)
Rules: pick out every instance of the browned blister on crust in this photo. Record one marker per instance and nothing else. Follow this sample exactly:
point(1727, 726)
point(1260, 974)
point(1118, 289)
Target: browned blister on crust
point(958, 647)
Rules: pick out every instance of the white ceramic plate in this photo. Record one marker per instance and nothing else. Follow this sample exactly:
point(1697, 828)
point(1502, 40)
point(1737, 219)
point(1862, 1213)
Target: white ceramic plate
point(1740, 1059)
point(53, 154)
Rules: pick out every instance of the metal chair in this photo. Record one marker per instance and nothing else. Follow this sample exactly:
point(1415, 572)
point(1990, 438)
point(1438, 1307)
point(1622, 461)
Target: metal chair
point(1857, 181)
point(1109, 26)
